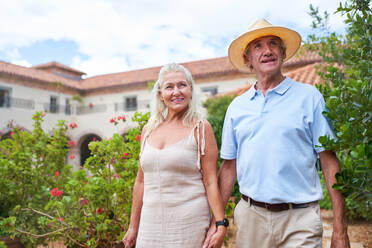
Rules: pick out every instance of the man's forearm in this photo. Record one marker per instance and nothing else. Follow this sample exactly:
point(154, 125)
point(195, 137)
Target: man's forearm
point(227, 179)
point(330, 166)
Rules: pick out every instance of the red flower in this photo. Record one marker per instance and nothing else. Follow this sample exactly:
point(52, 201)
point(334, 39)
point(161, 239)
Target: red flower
point(116, 176)
point(99, 210)
point(72, 156)
point(125, 155)
point(121, 118)
point(73, 125)
point(59, 193)
point(94, 139)
point(54, 191)
point(83, 201)
point(11, 133)
point(56, 174)
point(60, 219)
point(112, 120)
point(71, 143)
point(138, 137)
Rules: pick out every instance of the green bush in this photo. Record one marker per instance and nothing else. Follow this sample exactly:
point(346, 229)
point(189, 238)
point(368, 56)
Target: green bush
point(324, 203)
point(347, 76)
point(216, 108)
point(86, 208)
point(28, 163)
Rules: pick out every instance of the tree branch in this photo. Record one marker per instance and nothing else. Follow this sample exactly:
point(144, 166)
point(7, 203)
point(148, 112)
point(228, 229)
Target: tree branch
point(42, 235)
point(38, 212)
point(44, 214)
point(76, 242)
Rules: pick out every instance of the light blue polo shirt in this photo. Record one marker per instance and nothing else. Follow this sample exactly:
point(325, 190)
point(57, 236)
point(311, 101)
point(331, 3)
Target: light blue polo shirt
point(275, 141)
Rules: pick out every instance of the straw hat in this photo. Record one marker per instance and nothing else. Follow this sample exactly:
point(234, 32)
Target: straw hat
point(291, 39)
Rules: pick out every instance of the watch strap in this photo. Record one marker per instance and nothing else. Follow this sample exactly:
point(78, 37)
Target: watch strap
point(224, 222)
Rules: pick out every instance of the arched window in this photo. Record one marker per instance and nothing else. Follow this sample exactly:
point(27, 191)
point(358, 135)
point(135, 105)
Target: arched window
point(84, 149)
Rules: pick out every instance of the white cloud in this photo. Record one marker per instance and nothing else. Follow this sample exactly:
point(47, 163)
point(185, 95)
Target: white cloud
point(125, 35)
point(13, 53)
point(21, 62)
point(16, 58)
point(116, 64)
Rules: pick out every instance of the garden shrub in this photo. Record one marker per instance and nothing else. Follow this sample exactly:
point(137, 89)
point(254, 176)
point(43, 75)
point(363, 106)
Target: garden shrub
point(216, 108)
point(86, 208)
point(347, 88)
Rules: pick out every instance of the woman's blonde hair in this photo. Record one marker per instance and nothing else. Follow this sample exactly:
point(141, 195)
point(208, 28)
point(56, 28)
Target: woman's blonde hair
point(159, 109)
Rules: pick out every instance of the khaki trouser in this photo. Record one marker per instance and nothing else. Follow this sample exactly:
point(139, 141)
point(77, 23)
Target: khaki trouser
point(261, 228)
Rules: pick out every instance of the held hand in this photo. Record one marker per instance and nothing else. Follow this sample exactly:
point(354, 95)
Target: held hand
point(211, 231)
point(130, 238)
point(218, 238)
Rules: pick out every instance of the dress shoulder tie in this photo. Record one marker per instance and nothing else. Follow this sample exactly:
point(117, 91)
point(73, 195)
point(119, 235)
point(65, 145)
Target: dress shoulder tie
point(201, 146)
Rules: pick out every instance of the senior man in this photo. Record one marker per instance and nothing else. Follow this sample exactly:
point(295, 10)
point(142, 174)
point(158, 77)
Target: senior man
point(270, 142)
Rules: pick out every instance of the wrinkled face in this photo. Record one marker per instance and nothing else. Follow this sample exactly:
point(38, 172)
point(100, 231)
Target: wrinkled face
point(175, 91)
point(265, 55)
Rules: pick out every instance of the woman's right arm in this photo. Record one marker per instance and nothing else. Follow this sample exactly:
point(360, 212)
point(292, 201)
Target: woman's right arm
point(131, 235)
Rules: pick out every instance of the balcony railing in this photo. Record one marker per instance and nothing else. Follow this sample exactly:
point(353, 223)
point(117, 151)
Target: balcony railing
point(141, 105)
point(56, 108)
point(13, 102)
point(91, 109)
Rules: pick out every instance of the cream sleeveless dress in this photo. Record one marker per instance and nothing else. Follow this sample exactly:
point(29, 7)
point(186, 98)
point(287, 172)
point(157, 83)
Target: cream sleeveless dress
point(175, 211)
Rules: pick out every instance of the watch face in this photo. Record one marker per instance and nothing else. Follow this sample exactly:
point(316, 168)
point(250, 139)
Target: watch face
point(226, 222)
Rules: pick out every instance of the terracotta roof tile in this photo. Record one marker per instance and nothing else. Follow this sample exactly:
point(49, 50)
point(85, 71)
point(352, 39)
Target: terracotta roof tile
point(238, 91)
point(306, 75)
point(35, 74)
point(58, 65)
point(303, 57)
point(199, 69)
point(120, 78)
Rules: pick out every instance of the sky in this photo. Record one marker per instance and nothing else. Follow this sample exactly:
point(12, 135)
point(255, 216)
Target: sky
point(107, 36)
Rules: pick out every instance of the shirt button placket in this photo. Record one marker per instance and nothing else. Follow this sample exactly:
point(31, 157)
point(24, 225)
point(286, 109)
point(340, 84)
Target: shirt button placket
point(263, 104)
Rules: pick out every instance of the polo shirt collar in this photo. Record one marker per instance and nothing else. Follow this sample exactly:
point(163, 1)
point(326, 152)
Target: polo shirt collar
point(252, 92)
point(280, 89)
point(283, 86)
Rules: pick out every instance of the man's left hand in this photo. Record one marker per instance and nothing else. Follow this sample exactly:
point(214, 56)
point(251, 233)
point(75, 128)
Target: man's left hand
point(340, 240)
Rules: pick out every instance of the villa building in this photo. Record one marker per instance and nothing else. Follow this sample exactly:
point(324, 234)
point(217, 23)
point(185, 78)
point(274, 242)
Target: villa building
point(91, 102)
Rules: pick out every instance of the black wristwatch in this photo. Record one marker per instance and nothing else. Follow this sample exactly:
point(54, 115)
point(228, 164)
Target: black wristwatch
point(224, 222)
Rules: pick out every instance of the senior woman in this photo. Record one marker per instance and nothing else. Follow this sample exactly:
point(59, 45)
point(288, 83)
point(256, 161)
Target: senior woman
point(177, 174)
